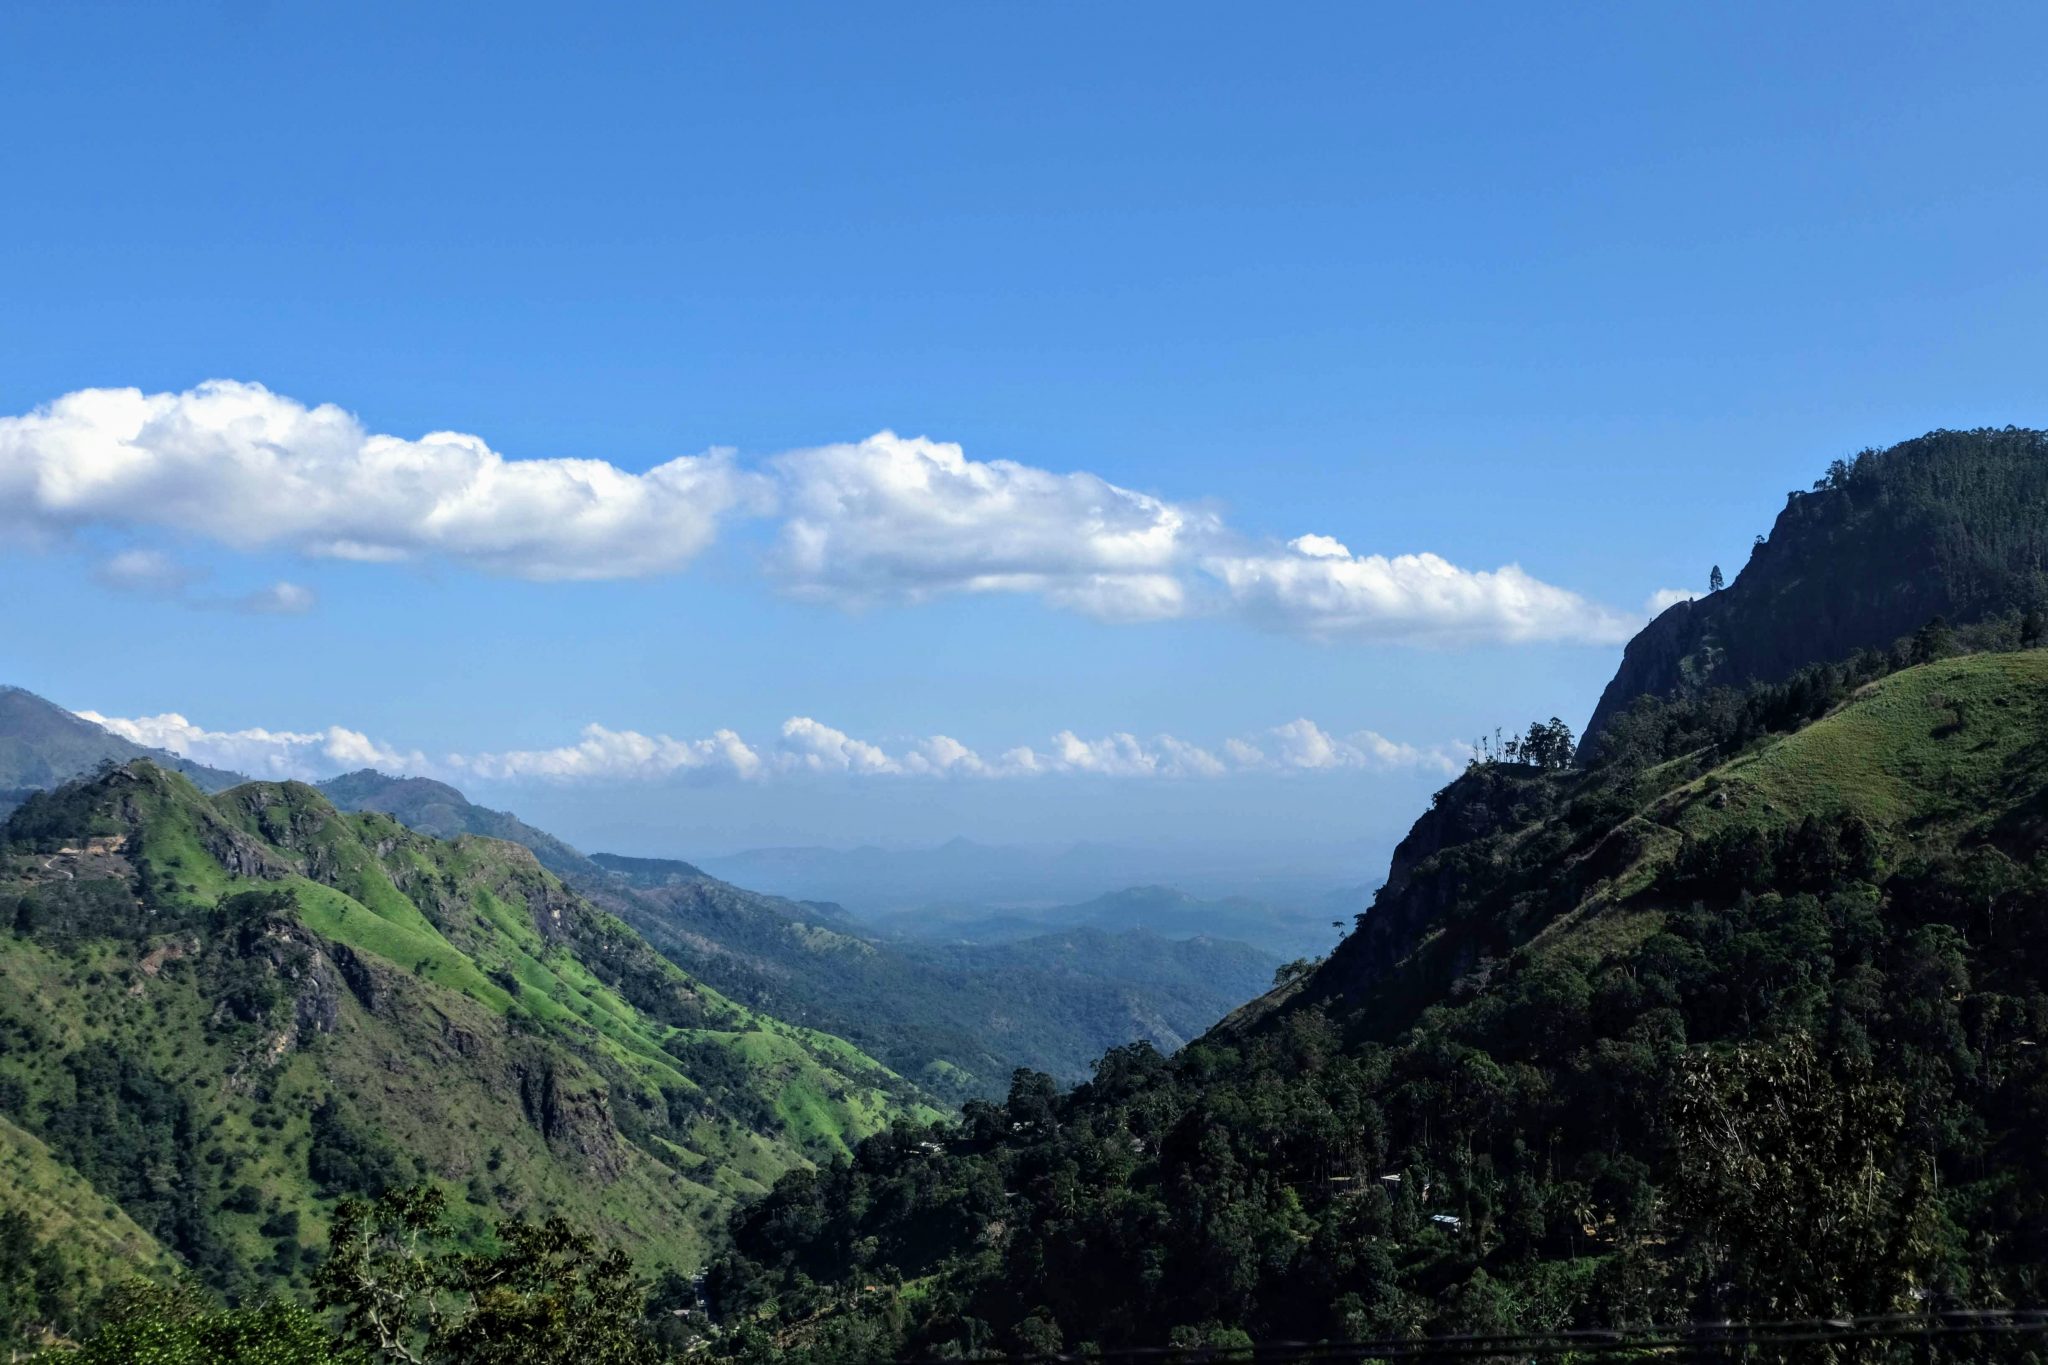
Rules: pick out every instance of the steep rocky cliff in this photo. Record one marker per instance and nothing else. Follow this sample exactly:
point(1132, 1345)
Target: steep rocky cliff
point(1953, 524)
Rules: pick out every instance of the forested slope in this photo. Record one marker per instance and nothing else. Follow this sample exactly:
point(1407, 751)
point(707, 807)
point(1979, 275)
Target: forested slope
point(223, 1012)
point(1745, 1020)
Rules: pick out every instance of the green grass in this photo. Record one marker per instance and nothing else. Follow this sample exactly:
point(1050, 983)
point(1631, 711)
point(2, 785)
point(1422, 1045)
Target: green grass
point(434, 1068)
point(341, 917)
point(1928, 755)
point(64, 1208)
point(1931, 746)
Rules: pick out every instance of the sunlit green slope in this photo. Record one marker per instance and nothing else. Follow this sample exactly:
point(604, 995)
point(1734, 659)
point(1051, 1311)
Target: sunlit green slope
point(223, 1012)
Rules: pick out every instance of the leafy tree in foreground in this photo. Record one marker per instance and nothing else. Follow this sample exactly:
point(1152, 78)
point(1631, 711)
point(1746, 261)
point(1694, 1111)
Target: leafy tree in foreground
point(1796, 1170)
point(151, 1324)
point(548, 1295)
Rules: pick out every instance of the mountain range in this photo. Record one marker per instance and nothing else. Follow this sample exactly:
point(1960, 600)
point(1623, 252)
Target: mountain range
point(1307, 928)
point(955, 1018)
point(1741, 1015)
point(223, 1011)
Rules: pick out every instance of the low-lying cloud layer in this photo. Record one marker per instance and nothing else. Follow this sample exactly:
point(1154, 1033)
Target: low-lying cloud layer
point(887, 520)
point(805, 747)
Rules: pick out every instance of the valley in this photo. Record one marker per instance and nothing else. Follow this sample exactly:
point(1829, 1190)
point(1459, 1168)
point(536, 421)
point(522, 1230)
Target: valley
point(1144, 684)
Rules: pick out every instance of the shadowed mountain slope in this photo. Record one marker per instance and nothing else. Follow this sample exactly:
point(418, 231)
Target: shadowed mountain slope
point(43, 745)
point(1953, 524)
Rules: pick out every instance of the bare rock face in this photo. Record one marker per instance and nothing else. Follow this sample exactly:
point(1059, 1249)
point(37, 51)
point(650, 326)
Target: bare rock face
point(553, 908)
point(1653, 664)
point(572, 1113)
point(1432, 870)
point(317, 1007)
point(363, 980)
point(241, 855)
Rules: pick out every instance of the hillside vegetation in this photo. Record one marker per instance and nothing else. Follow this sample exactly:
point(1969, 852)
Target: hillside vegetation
point(1745, 1020)
point(958, 1018)
point(221, 1013)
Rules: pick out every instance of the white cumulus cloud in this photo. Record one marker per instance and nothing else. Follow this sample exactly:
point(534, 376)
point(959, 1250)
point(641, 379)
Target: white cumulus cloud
point(605, 753)
point(1303, 746)
point(1664, 599)
point(240, 465)
point(905, 519)
point(819, 748)
point(275, 754)
point(1316, 586)
point(888, 519)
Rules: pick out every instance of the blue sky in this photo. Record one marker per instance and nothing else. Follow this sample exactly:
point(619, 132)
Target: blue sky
point(1583, 291)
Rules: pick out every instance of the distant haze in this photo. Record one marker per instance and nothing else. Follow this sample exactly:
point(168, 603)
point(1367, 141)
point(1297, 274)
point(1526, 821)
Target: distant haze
point(874, 881)
point(1242, 837)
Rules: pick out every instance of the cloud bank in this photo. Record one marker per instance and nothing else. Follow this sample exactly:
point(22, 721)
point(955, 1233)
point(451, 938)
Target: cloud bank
point(273, 754)
point(249, 469)
point(805, 747)
point(886, 520)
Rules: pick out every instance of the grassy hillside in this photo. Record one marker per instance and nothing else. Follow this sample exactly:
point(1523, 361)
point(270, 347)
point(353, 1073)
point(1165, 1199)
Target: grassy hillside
point(957, 1018)
point(224, 1012)
point(1747, 1021)
point(1931, 753)
point(1925, 763)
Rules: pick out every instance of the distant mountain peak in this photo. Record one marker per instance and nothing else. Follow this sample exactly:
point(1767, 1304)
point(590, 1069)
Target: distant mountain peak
point(434, 807)
point(42, 745)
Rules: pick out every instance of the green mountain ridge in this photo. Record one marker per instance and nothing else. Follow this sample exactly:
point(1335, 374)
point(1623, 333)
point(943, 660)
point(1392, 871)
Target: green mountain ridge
point(1742, 1017)
point(222, 1012)
point(958, 1018)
